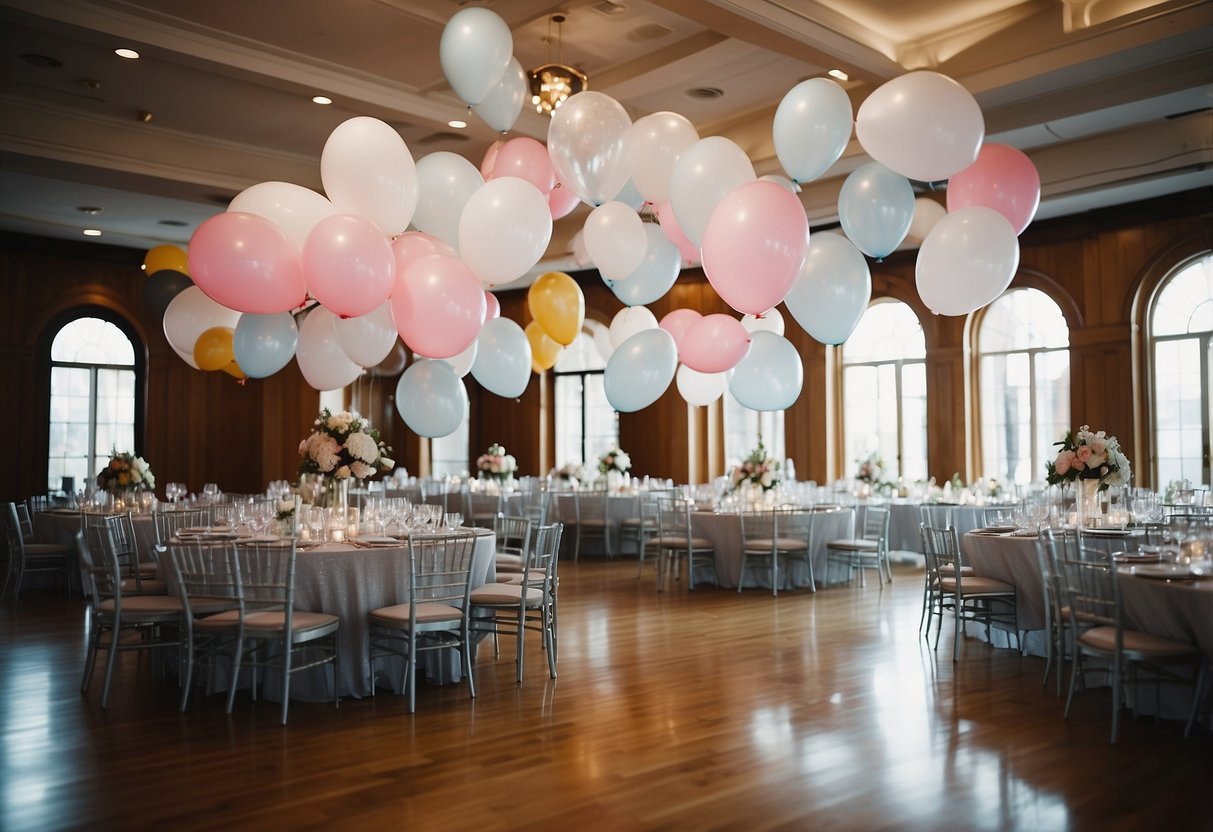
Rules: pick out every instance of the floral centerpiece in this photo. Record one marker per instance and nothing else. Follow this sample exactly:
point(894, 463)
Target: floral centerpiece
point(496, 464)
point(344, 445)
point(572, 473)
point(126, 472)
point(756, 470)
point(614, 460)
point(1089, 455)
point(871, 468)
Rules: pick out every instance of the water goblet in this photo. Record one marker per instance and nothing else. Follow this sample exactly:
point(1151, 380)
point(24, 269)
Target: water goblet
point(453, 520)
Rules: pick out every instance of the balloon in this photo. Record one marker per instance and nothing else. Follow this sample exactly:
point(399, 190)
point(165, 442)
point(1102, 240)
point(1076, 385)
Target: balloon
point(189, 315)
point(460, 363)
point(678, 322)
point(213, 349)
point(1002, 178)
point(713, 344)
point(657, 141)
point(562, 201)
point(927, 214)
point(832, 291)
point(502, 105)
point(771, 320)
point(673, 232)
point(413, 245)
point(602, 338)
point(431, 399)
point(703, 174)
point(655, 274)
point(698, 388)
point(166, 259)
point(754, 246)
point(233, 369)
point(558, 306)
point(293, 208)
point(640, 370)
point(438, 306)
point(504, 230)
point(490, 159)
point(264, 344)
point(783, 182)
point(922, 125)
point(368, 339)
point(629, 321)
point(544, 351)
point(367, 170)
point(323, 363)
point(580, 256)
point(245, 262)
point(349, 265)
point(526, 159)
point(875, 207)
point(492, 306)
point(770, 377)
point(503, 358)
point(394, 363)
point(475, 51)
point(812, 128)
point(615, 240)
point(161, 287)
point(589, 141)
point(966, 261)
point(447, 181)
point(629, 196)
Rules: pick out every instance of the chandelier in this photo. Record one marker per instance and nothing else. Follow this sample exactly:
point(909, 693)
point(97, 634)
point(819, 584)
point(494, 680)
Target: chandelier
point(552, 83)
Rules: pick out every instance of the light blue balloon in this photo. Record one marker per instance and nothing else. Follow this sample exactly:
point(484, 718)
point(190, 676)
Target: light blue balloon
point(630, 196)
point(876, 207)
point(770, 377)
point(833, 289)
point(431, 399)
point(503, 358)
point(655, 274)
point(640, 370)
point(264, 344)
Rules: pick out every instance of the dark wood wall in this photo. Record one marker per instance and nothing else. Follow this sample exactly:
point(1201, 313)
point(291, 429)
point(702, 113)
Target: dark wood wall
point(205, 427)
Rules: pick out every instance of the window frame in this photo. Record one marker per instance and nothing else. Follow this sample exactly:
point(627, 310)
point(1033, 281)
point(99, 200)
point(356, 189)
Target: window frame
point(589, 456)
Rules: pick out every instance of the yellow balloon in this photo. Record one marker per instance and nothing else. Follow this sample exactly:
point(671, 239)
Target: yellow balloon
point(166, 258)
point(557, 304)
point(544, 351)
point(213, 349)
point(233, 370)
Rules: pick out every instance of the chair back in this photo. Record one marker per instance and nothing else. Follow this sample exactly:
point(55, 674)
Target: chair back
point(795, 522)
point(536, 501)
point(935, 516)
point(876, 524)
point(674, 519)
point(12, 531)
point(941, 548)
point(24, 521)
point(480, 509)
point(207, 575)
point(169, 521)
point(122, 542)
point(590, 505)
point(265, 576)
point(100, 572)
point(440, 567)
point(547, 553)
point(758, 524)
point(1086, 577)
point(514, 537)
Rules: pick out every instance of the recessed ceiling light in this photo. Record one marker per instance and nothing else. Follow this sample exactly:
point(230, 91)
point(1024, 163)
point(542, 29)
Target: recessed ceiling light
point(321, 99)
point(92, 232)
point(457, 123)
point(839, 74)
point(130, 54)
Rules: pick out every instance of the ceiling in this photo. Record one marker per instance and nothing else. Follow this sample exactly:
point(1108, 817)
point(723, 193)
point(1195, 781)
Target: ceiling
point(1110, 98)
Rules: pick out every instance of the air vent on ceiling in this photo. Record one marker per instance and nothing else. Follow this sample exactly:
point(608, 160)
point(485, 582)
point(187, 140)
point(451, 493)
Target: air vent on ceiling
point(174, 223)
point(1188, 113)
point(649, 31)
point(41, 61)
point(705, 93)
point(610, 8)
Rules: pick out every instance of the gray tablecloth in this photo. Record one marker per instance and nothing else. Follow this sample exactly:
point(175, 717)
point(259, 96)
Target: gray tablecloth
point(618, 509)
point(724, 530)
point(904, 519)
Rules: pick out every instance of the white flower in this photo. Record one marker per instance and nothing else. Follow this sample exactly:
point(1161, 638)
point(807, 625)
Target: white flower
point(361, 470)
point(342, 421)
point(342, 473)
point(362, 447)
point(324, 451)
point(386, 464)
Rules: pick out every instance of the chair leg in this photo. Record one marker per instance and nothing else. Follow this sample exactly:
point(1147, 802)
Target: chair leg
point(110, 660)
point(237, 658)
point(959, 632)
point(548, 616)
point(520, 647)
point(1197, 696)
point(189, 670)
point(336, 664)
point(1116, 693)
point(90, 659)
point(466, 650)
point(741, 574)
point(411, 672)
point(1075, 669)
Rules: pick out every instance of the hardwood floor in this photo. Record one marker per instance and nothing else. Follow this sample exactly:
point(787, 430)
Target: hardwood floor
point(704, 710)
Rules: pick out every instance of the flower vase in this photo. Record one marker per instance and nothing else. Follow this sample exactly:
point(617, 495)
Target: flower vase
point(286, 527)
point(614, 480)
point(339, 496)
point(1086, 504)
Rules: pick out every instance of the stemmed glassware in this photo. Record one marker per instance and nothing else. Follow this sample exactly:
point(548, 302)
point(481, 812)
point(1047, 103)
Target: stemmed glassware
point(453, 520)
point(175, 491)
point(1038, 511)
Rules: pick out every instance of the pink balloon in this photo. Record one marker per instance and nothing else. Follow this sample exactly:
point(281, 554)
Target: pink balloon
point(245, 262)
point(413, 245)
point(492, 306)
point(678, 322)
point(562, 201)
point(713, 344)
point(438, 305)
point(1002, 178)
point(349, 265)
point(673, 233)
point(755, 245)
point(525, 158)
point(490, 159)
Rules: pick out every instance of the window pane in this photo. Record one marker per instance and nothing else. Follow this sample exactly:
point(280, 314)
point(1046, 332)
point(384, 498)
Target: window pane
point(914, 422)
point(1052, 409)
point(449, 454)
point(601, 427)
point(568, 420)
point(582, 354)
point(1185, 304)
point(741, 431)
point(92, 341)
point(888, 330)
point(1022, 319)
point(1178, 388)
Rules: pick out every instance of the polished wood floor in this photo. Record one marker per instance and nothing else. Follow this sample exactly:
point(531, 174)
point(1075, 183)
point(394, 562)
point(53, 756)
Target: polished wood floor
point(704, 710)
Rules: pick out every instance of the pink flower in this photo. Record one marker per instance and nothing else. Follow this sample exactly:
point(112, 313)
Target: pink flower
point(1064, 462)
point(1083, 454)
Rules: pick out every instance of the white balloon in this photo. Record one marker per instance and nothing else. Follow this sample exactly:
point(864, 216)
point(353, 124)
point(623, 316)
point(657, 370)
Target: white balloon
point(367, 339)
point(581, 257)
point(698, 388)
point(770, 321)
point(628, 321)
point(503, 103)
point(446, 181)
point(324, 365)
point(923, 125)
point(475, 51)
point(461, 363)
point(967, 261)
point(703, 174)
point(833, 289)
point(190, 314)
point(367, 170)
point(657, 141)
point(503, 358)
point(812, 128)
point(615, 240)
point(293, 208)
point(589, 141)
point(770, 377)
point(431, 399)
point(927, 214)
point(656, 273)
point(602, 338)
point(504, 229)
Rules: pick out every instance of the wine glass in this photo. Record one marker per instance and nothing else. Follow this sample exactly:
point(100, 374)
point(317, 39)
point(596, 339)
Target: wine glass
point(1038, 511)
point(453, 520)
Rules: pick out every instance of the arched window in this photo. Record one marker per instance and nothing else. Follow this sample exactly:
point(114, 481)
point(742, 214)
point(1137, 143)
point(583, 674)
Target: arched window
point(1023, 347)
point(586, 426)
point(92, 399)
point(1181, 335)
point(885, 390)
